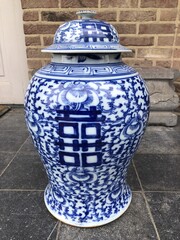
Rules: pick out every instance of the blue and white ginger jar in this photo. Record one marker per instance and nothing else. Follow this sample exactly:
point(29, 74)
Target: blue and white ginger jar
point(87, 112)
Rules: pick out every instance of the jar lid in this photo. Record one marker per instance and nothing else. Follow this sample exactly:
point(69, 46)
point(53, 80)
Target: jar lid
point(86, 35)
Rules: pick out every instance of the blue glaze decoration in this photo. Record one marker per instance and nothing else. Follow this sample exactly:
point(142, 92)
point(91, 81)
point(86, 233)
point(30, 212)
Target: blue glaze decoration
point(86, 122)
point(86, 35)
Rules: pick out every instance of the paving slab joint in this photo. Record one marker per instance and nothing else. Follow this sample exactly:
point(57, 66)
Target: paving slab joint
point(146, 203)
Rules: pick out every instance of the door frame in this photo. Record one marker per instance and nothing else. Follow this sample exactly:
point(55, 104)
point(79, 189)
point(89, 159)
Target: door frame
point(14, 70)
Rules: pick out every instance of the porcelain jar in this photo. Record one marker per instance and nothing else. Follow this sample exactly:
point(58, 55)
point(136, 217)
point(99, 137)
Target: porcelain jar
point(86, 112)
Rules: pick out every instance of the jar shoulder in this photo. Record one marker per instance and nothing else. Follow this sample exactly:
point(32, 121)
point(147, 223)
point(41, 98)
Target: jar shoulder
point(83, 71)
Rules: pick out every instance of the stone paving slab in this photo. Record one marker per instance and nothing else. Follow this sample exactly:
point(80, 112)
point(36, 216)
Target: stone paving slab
point(25, 172)
point(13, 122)
point(165, 208)
point(134, 224)
point(23, 216)
point(153, 176)
point(5, 159)
point(4, 109)
point(28, 147)
point(158, 172)
point(11, 141)
point(158, 140)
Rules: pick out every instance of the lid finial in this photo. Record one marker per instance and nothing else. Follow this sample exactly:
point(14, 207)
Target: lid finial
point(86, 14)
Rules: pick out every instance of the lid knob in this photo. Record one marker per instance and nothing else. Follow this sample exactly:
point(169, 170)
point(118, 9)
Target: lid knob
point(86, 14)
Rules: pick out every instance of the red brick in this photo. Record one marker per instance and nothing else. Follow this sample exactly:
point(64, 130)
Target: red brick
point(166, 64)
point(35, 53)
point(137, 41)
point(176, 64)
point(177, 41)
point(154, 53)
point(79, 3)
point(58, 16)
point(138, 62)
point(159, 3)
point(156, 28)
point(168, 15)
point(32, 41)
point(40, 28)
point(129, 54)
point(46, 61)
point(137, 16)
point(123, 28)
point(39, 4)
point(31, 16)
point(31, 73)
point(34, 64)
point(178, 28)
point(107, 16)
point(165, 41)
point(48, 40)
point(177, 53)
point(119, 3)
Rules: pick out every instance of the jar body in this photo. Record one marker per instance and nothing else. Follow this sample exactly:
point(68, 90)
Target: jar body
point(86, 122)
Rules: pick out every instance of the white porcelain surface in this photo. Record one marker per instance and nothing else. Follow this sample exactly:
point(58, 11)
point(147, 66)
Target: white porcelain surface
point(87, 113)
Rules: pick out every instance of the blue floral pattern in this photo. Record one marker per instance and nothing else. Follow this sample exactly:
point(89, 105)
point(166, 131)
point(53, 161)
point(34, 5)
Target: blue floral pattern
point(86, 126)
point(78, 93)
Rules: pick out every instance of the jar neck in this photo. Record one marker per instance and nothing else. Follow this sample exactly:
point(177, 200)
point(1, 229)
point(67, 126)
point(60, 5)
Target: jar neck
point(86, 58)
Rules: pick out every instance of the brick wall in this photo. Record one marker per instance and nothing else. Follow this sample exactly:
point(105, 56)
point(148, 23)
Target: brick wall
point(150, 28)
